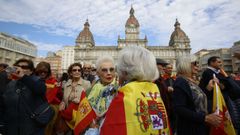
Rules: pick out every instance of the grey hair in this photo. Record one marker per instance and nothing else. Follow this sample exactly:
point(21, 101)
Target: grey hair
point(102, 59)
point(87, 63)
point(183, 64)
point(138, 63)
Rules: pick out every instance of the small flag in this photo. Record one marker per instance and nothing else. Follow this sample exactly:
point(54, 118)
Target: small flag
point(84, 115)
point(220, 108)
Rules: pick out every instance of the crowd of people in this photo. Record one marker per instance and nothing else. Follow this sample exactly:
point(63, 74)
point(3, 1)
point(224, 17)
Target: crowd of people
point(135, 95)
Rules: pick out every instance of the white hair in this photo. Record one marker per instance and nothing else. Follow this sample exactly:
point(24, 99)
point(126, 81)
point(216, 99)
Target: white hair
point(138, 63)
point(102, 59)
point(183, 64)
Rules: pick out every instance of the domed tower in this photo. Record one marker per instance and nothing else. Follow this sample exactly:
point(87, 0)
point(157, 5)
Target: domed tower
point(132, 33)
point(179, 38)
point(85, 38)
point(132, 26)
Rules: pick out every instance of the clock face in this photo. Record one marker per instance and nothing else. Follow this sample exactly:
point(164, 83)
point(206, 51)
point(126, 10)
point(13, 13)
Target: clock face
point(132, 25)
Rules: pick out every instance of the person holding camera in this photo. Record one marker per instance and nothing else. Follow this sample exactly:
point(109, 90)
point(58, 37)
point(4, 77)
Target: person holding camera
point(23, 94)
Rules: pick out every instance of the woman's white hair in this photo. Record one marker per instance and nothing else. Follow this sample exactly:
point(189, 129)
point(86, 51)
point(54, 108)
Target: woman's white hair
point(137, 63)
point(183, 64)
point(102, 59)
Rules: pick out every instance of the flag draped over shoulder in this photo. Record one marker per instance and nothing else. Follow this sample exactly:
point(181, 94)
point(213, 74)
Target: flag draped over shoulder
point(219, 107)
point(136, 110)
point(84, 115)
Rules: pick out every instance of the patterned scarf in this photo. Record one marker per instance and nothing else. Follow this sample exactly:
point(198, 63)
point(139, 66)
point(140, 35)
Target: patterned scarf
point(101, 96)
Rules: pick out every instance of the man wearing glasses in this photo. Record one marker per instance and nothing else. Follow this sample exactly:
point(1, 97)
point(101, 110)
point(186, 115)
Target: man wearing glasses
point(87, 69)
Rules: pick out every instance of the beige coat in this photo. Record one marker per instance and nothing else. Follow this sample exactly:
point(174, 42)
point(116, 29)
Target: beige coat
point(82, 85)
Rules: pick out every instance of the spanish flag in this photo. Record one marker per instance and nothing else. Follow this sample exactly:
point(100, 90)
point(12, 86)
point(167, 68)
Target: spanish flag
point(52, 91)
point(220, 108)
point(84, 115)
point(136, 110)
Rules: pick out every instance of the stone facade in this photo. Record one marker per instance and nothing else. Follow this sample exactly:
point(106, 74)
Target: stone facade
point(235, 52)
point(13, 48)
point(86, 50)
point(67, 57)
point(223, 53)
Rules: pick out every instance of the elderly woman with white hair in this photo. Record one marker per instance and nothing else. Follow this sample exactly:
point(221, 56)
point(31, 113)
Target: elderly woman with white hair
point(137, 108)
point(190, 102)
point(103, 91)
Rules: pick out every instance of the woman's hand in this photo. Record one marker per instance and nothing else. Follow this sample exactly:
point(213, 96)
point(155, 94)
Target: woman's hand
point(61, 106)
point(213, 119)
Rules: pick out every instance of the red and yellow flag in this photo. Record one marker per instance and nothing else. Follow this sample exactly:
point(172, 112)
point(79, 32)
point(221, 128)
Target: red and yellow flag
point(220, 108)
point(84, 115)
point(52, 91)
point(136, 110)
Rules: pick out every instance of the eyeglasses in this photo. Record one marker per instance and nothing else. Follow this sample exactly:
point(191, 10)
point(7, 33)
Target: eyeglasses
point(195, 63)
point(40, 72)
point(74, 70)
point(23, 66)
point(106, 70)
point(87, 68)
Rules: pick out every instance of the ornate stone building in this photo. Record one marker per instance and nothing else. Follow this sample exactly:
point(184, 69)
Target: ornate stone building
point(86, 50)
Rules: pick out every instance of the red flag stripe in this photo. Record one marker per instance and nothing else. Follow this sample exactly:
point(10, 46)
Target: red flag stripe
point(116, 111)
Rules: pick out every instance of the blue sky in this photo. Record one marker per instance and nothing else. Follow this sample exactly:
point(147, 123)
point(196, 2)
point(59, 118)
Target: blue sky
point(51, 24)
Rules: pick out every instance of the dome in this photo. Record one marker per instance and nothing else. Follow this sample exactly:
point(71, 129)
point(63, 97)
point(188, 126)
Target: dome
point(178, 34)
point(85, 34)
point(132, 21)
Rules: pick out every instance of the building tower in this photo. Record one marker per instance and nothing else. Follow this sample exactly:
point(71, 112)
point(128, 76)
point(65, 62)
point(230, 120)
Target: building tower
point(85, 38)
point(132, 29)
point(179, 38)
point(84, 44)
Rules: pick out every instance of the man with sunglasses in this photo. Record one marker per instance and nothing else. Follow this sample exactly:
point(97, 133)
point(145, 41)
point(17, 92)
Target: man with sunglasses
point(21, 96)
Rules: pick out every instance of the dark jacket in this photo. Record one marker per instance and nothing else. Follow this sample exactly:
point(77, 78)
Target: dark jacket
point(3, 81)
point(189, 122)
point(231, 92)
point(163, 92)
point(15, 104)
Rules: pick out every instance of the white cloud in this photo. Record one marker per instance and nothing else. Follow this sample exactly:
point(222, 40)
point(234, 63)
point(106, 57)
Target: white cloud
point(47, 46)
point(209, 24)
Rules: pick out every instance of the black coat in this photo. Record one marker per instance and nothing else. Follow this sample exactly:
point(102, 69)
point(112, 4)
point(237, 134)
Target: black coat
point(15, 104)
point(3, 81)
point(189, 122)
point(230, 93)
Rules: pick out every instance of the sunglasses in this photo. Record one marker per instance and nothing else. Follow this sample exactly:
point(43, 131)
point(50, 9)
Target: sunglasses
point(195, 63)
point(86, 68)
point(23, 66)
point(40, 72)
point(106, 70)
point(75, 70)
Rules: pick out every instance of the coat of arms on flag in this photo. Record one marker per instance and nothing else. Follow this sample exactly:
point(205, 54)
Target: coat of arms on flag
point(84, 115)
point(151, 114)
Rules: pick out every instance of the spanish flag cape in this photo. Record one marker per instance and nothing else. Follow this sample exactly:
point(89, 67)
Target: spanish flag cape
point(220, 108)
point(52, 91)
point(136, 110)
